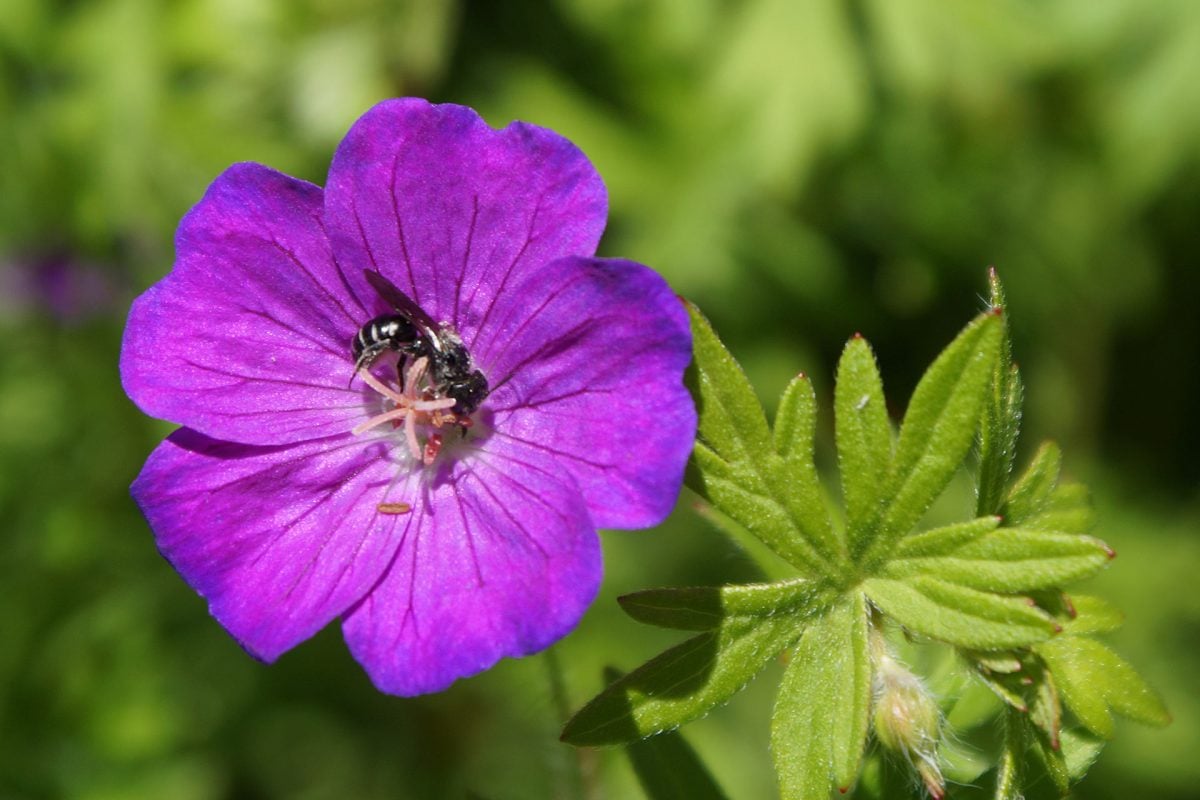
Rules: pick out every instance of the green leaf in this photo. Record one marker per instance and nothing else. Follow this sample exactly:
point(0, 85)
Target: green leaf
point(1045, 710)
point(854, 690)
point(796, 420)
point(1002, 661)
point(944, 540)
point(792, 475)
point(1080, 750)
point(684, 683)
point(819, 728)
point(960, 615)
point(1068, 509)
point(1001, 419)
point(1093, 679)
point(1008, 772)
point(1050, 758)
point(1006, 686)
point(708, 607)
point(939, 427)
point(667, 767)
point(1011, 560)
point(1092, 615)
point(731, 419)
point(864, 438)
point(1008, 776)
point(736, 468)
point(1031, 493)
point(1020, 680)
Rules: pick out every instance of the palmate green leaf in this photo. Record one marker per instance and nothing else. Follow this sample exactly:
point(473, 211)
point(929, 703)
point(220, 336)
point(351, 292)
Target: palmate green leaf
point(683, 683)
point(796, 420)
point(1001, 422)
point(960, 615)
point(1044, 762)
point(1008, 772)
point(864, 439)
point(1068, 509)
point(1032, 691)
point(708, 607)
point(1045, 709)
point(1037, 500)
point(1030, 495)
point(792, 473)
point(1093, 679)
point(819, 728)
point(667, 767)
point(1030, 766)
point(1029, 761)
point(946, 539)
point(1010, 560)
point(938, 429)
point(1079, 749)
point(1091, 615)
point(736, 468)
point(1008, 685)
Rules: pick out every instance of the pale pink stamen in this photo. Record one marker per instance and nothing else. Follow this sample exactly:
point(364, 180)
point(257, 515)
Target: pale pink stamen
point(379, 419)
point(379, 386)
point(412, 407)
point(416, 371)
point(410, 435)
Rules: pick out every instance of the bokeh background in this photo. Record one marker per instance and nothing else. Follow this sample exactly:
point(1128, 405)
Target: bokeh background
point(802, 169)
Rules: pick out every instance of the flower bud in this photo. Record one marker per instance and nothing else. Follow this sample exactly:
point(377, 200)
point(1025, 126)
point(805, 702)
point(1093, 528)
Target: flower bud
point(907, 721)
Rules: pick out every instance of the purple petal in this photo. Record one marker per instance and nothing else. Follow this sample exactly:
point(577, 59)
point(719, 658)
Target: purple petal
point(279, 540)
point(248, 337)
point(586, 361)
point(454, 212)
point(501, 560)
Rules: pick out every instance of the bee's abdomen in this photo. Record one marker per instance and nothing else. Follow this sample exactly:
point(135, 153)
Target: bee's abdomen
point(387, 332)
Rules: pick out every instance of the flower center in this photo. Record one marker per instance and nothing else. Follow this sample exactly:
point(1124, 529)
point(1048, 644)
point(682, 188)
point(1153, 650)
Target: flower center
point(416, 406)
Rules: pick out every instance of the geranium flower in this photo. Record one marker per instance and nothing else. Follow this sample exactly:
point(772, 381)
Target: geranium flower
point(286, 503)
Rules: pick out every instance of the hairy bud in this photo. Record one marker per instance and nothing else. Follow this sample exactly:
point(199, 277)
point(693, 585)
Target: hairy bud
point(907, 720)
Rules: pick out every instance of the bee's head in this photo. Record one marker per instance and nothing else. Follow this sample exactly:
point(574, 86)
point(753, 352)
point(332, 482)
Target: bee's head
point(468, 390)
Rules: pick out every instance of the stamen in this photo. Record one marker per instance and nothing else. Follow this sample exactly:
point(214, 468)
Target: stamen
point(415, 372)
point(413, 405)
point(377, 385)
point(393, 508)
point(433, 446)
point(379, 419)
point(410, 433)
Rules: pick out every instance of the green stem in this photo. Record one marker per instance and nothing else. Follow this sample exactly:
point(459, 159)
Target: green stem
point(568, 767)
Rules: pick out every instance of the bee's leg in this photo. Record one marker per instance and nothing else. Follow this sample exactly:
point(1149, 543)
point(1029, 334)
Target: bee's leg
point(401, 368)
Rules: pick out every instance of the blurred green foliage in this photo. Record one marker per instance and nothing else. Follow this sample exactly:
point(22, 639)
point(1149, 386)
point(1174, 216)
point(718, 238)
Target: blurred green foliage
point(801, 170)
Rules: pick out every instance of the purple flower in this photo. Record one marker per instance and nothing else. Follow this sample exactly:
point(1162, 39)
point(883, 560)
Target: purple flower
point(283, 507)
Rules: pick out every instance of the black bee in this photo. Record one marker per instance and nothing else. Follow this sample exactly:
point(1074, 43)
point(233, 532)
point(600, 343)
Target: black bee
point(413, 332)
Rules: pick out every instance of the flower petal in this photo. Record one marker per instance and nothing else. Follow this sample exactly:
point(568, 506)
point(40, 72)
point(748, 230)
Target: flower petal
point(279, 540)
point(248, 337)
point(454, 212)
point(502, 560)
point(586, 361)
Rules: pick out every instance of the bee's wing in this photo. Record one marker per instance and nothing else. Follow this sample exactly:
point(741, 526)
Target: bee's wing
point(400, 301)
